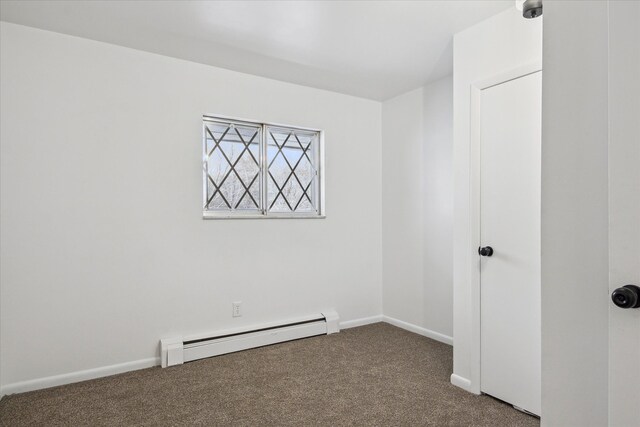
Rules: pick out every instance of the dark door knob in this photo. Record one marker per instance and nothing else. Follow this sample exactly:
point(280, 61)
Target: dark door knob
point(486, 251)
point(627, 296)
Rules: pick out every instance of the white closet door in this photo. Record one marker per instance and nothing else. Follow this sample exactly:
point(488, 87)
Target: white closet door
point(510, 140)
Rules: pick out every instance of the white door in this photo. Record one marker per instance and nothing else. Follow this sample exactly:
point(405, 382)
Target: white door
point(624, 210)
point(510, 141)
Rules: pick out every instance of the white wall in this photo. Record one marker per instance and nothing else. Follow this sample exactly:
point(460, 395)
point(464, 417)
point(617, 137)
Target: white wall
point(497, 45)
point(575, 293)
point(402, 189)
point(103, 248)
point(417, 209)
point(437, 210)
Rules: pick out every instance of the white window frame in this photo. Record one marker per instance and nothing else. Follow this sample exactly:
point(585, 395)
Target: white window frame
point(264, 213)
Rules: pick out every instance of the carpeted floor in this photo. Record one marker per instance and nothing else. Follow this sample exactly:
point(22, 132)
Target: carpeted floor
point(372, 375)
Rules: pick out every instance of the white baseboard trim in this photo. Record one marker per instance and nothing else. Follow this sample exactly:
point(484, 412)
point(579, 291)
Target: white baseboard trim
point(419, 330)
point(463, 383)
point(360, 322)
point(105, 371)
point(74, 377)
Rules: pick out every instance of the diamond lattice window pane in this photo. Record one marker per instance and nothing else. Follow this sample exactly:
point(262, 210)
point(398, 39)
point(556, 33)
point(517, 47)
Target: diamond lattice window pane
point(292, 183)
point(232, 166)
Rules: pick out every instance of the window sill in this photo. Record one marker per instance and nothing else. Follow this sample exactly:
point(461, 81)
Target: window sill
point(258, 216)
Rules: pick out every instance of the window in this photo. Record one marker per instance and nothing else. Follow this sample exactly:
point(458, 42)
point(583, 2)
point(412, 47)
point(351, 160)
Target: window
point(257, 170)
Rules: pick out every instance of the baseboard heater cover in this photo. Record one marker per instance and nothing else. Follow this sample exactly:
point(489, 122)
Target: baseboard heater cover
point(178, 350)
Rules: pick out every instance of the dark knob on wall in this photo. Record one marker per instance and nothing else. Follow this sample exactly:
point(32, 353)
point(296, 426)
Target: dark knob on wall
point(486, 251)
point(627, 296)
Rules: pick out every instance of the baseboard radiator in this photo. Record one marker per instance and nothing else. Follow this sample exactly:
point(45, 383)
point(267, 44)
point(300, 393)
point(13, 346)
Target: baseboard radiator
point(178, 350)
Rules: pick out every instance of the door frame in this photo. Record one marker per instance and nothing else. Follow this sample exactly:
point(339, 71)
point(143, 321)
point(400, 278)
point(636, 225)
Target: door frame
point(474, 208)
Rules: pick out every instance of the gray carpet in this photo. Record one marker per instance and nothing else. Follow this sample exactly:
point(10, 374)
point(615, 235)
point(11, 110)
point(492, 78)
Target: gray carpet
point(372, 375)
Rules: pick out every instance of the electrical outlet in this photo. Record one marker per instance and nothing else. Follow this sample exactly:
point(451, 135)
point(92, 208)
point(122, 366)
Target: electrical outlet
point(235, 309)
